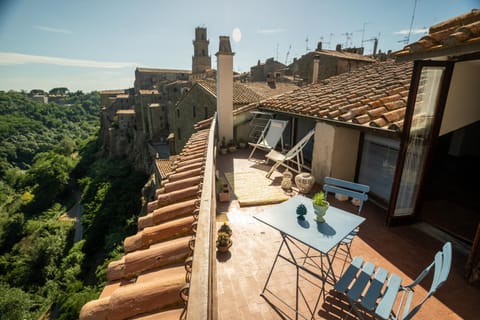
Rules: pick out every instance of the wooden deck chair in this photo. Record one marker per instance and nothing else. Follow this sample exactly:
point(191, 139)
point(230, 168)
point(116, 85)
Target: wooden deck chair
point(270, 136)
point(294, 155)
point(368, 290)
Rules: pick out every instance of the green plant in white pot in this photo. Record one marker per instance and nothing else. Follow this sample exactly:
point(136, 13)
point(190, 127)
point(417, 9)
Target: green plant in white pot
point(320, 206)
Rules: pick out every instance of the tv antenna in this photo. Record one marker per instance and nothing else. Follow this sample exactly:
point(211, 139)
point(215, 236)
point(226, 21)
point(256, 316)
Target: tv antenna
point(411, 22)
point(306, 44)
point(288, 53)
point(348, 38)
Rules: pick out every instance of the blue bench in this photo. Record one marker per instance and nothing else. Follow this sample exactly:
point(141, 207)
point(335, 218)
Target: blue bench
point(347, 188)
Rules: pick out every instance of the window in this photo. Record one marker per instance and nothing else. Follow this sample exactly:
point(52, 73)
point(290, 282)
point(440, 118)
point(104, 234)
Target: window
point(179, 134)
point(203, 52)
point(194, 111)
point(377, 166)
point(178, 113)
point(205, 116)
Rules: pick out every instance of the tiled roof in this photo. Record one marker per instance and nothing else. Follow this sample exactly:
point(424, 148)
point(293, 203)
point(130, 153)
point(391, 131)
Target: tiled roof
point(241, 94)
point(344, 55)
point(261, 88)
point(374, 95)
point(269, 90)
point(164, 167)
point(459, 33)
point(148, 281)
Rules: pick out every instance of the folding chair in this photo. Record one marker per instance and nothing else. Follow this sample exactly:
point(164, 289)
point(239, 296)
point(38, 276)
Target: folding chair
point(270, 136)
point(294, 155)
point(381, 295)
point(353, 190)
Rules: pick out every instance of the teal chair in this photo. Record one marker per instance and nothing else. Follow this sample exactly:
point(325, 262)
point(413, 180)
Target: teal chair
point(381, 295)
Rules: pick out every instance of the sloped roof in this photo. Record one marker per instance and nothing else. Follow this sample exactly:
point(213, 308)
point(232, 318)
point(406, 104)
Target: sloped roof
point(344, 55)
point(241, 94)
point(148, 281)
point(374, 95)
point(267, 90)
point(460, 34)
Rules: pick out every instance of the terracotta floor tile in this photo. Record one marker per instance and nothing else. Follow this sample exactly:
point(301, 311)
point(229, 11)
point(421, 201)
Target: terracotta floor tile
point(241, 274)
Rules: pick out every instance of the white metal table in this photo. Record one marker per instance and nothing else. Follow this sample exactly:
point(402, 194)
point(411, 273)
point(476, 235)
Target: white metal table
point(301, 236)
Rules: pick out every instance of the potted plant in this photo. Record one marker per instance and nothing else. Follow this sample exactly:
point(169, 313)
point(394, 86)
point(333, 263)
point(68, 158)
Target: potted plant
point(223, 242)
point(226, 229)
point(223, 146)
point(232, 145)
point(320, 206)
point(241, 143)
point(224, 193)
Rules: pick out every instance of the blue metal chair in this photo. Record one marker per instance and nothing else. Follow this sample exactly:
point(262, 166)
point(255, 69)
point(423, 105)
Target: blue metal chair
point(381, 295)
point(353, 190)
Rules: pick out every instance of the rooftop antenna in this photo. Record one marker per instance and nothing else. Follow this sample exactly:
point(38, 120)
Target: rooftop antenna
point(306, 44)
point(277, 53)
point(288, 53)
point(348, 37)
point(411, 22)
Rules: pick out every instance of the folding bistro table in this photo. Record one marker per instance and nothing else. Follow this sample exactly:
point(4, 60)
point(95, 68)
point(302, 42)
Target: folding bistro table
point(310, 245)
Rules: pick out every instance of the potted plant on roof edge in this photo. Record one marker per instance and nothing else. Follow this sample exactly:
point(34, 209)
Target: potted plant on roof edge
point(223, 242)
point(320, 206)
point(226, 229)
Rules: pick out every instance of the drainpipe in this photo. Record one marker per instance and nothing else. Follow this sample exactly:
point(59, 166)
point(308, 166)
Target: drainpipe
point(225, 89)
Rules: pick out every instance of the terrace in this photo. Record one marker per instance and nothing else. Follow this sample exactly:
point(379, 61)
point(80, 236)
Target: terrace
point(237, 277)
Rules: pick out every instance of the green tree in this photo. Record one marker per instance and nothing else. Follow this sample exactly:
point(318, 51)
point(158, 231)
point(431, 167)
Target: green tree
point(14, 303)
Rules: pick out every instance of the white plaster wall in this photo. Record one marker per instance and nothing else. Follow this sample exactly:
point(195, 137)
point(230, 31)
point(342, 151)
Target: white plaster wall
point(463, 102)
point(345, 152)
point(225, 95)
point(334, 152)
point(323, 145)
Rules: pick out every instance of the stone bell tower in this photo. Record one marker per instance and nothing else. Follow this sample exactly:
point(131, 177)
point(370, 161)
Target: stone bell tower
point(201, 61)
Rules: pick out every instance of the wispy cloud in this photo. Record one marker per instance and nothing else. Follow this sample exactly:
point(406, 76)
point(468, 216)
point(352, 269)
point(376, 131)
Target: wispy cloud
point(414, 31)
point(55, 30)
point(11, 58)
point(270, 31)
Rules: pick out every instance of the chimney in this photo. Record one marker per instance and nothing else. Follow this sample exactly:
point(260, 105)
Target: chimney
point(316, 65)
point(319, 46)
point(338, 47)
point(375, 45)
point(225, 89)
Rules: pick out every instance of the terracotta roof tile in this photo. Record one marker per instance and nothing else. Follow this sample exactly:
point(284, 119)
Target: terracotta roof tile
point(139, 297)
point(173, 211)
point(148, 280)
point(241, 94)
point(461, 31)
point(359, 97)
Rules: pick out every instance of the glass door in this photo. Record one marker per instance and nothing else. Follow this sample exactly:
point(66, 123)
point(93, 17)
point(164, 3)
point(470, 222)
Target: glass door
point(428, 92)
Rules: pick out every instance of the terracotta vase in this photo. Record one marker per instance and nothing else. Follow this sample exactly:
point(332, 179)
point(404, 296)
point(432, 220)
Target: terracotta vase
point(304, 182)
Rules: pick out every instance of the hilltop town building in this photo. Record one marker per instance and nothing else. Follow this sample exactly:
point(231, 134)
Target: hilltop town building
point(331, 62)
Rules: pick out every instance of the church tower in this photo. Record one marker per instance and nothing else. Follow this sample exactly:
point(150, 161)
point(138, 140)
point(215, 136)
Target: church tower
point(201, 61)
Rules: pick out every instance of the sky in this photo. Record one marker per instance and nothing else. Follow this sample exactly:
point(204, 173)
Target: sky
point(97, 44)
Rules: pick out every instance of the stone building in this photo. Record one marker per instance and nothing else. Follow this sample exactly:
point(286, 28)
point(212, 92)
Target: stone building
point(271, 70)
point(331, 62)
point(201, 103)
point(152, 78)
